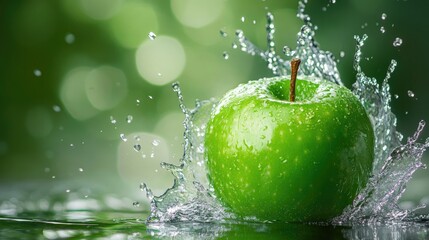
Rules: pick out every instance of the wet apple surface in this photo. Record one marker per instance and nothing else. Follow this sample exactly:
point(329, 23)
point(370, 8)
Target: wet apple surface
point(274, 159)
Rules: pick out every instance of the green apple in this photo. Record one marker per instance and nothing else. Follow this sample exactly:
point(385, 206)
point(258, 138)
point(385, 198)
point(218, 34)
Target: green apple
point(295, 161)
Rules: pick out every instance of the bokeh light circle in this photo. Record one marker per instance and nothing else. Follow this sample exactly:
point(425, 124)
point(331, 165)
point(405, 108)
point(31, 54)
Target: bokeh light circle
point(197, 13)
point(131, 25)
point(73, 94)
point(87, 91)
point(105, 87)
point(160, 61)
point(100, 9)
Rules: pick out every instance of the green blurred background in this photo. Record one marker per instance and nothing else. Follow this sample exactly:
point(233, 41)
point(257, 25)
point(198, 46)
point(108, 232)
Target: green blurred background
point(78, 77)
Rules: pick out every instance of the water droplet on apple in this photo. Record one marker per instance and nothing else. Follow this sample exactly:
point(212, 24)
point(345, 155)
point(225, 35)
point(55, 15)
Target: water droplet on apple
point(123, 137)
point(225, 55)
point(129, 118)
point(112, 120)
point(137, 147)
point(286, 50)
point(152, 35)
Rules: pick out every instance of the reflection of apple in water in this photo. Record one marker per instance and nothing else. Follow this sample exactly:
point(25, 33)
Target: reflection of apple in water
point(277, 158)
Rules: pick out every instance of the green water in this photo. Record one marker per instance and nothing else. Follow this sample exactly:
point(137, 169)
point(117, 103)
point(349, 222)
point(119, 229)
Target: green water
point(43, 211)
point(110, 224)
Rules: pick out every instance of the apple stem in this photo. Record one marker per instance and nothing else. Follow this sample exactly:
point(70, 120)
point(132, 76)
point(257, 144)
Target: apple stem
point(294, 66)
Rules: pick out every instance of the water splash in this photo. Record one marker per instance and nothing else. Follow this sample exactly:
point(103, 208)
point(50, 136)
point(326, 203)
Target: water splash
point(314, 61)
point(394, 163)
point(191, 197)
point(397, 42)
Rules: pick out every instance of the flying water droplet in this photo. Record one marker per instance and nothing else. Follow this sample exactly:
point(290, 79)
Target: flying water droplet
point(136, 204)
point(123, 137)
point(69, 38)
point(396, 96)
point(37, 72)
point(152, 35)
point(397, 42)
point(383, 16)
point(155, 142)
point(342, 54)
point(137, 138)
point(382, 29)
point(410, 94)
point(56, 108)
point(223, 33)
point(129, 118)
point(242, 19)
point(80, 169)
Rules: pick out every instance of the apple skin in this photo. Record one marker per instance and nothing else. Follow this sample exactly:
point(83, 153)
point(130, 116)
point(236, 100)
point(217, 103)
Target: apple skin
point(301, 161)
